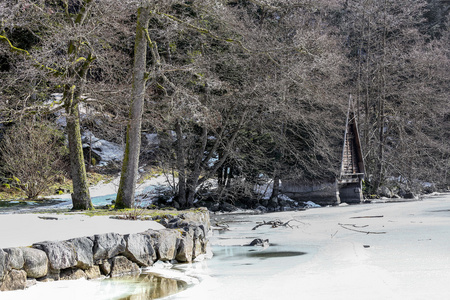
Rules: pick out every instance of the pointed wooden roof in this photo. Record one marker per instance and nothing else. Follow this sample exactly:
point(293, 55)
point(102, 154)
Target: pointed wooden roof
point(352, 164)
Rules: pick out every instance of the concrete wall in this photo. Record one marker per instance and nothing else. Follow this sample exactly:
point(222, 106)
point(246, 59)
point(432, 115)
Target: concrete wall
point(323, 193)
point(351, 193)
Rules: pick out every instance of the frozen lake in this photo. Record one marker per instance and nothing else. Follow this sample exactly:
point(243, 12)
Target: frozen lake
point(368, 251)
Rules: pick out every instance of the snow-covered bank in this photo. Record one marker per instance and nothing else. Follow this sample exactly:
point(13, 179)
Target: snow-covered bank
point(405, 255)
point(25, 229)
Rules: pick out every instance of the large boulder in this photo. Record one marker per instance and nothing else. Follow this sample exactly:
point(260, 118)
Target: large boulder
point(166, 243)
point(35, 262)
point(121, 265)
point(185, 249)
point(15, 258)
point(14, 280)
point(61, 255)
point(139, 249)
point(84, 252)
point(108, 245)
point(194, 239)
point(3, 264)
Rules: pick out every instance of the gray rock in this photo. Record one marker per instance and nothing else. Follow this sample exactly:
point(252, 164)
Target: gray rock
point(139, 249)
point(61, 255)
point(260, 242)
point(35, 262)
point(384, 191)
point(166, 243)
point(108, 245)
point(200, 241)
point(52, 275)
point(15, 258)
point(261, 208)
point(72, 274)
point(409, 195)
point(3, 264)
point(227, 207)
point(121, 265)
point(14, 280)
point(30, 282)
point(215, 207)
point(84, 254)
point(185, 249)
point(93, 272)
point(105, 267)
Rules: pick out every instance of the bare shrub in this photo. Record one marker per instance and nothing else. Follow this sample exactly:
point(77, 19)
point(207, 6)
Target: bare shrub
point(31, 154)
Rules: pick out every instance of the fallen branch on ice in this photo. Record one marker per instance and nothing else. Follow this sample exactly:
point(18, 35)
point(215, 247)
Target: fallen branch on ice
point(361, 217)
point(366, 232)
point(277, 223)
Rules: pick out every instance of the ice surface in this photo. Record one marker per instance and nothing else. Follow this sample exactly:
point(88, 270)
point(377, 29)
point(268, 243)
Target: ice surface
point(410, 261)
point(316, 259)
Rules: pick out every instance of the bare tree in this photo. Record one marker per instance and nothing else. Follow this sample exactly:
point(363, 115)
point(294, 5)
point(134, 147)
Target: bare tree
point(68, 55)
point(385, 39)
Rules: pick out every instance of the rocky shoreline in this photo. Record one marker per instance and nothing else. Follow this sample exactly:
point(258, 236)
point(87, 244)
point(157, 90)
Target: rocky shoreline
point(106, 255)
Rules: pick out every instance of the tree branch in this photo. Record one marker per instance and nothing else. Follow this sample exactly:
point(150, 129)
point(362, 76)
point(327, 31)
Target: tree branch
point(27, 55)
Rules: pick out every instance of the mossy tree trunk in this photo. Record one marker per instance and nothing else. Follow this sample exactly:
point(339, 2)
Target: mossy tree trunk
point(128, 178)
point(82, 58)
point(81, 200)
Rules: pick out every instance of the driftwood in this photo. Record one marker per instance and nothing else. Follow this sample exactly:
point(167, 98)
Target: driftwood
point(361, 226)
point(277, 223)
point(47, 218)
point(362, 217)
point(222, 226)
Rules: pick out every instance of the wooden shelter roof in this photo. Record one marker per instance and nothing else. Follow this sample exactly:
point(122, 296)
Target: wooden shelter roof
point(352, 164)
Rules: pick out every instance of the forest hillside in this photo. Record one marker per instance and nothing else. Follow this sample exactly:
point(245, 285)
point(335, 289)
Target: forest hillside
point(231, 90)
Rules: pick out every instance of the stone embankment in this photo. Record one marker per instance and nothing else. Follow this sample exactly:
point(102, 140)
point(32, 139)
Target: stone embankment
point(110, 254)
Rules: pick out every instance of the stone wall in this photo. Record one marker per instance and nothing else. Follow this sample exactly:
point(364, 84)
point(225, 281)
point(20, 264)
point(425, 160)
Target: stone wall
point(110, 254)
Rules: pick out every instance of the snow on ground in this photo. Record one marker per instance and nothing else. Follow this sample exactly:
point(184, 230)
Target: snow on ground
point(25, 229)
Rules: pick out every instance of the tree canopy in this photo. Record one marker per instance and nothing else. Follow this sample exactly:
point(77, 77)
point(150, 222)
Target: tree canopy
point(237, 88)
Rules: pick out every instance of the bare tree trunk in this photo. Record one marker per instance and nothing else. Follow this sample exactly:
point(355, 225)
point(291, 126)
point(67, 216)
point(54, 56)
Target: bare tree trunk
point(128, 178)
point(180, 165)
point(366, 103)
point(381, 103)
point(192, 181)
point(276, 190)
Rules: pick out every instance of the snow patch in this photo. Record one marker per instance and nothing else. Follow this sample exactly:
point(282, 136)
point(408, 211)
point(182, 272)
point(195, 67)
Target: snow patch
point(310, 204)
point(108, 151)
